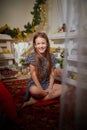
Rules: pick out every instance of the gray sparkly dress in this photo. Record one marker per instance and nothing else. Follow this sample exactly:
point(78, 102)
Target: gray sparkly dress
point(45, 82)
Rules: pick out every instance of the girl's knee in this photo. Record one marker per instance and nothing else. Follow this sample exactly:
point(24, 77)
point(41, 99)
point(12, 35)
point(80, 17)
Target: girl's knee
point(33, 90)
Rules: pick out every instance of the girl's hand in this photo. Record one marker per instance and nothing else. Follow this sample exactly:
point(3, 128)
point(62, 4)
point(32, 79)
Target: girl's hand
point(45, 92)
point(50, 90)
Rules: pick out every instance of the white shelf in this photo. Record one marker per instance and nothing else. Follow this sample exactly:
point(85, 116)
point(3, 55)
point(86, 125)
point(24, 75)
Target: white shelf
point(62, 35)
point(3, 45)
point(76, 83)
point(57, 36)
point(71, 68)
point(71, 82)
point(74, 58)
point(74, 69)
point(5, 37)
point(6, 56)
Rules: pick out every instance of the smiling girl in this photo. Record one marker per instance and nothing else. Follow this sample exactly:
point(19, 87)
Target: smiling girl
point(41, 62)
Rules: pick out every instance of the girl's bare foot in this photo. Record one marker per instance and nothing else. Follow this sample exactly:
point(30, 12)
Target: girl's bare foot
point(25, 104)
point(30, 102)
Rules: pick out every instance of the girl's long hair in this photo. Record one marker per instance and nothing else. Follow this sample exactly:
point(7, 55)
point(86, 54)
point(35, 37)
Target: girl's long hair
point(39, 58)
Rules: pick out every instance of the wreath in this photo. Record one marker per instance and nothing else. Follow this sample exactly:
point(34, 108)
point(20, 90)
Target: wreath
point(39, 16)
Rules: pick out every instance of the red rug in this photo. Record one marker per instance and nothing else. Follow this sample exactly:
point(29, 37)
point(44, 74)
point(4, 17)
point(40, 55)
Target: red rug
point(43, 103)
point(39, 116)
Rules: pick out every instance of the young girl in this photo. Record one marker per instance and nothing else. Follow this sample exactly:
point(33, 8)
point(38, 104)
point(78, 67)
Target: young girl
point(41, 86)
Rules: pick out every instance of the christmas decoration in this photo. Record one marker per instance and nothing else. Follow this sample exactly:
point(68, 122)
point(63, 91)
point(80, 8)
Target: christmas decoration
point(39, 17)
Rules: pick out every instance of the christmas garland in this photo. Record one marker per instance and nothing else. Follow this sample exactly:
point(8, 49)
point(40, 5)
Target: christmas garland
point(29, 28)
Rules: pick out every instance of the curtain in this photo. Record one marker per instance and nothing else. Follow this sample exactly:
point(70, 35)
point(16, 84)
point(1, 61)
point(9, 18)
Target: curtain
point(61, 11)
point(73, 111)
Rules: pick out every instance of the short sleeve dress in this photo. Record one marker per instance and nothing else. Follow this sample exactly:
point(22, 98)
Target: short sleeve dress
point(45, 82)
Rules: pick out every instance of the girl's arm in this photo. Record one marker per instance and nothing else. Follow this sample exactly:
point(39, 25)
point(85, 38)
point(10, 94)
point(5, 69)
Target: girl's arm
point(34, 77)
point(51, 79)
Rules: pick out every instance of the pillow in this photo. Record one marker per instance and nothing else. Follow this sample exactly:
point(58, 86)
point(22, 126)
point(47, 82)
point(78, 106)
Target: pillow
point(6, 102)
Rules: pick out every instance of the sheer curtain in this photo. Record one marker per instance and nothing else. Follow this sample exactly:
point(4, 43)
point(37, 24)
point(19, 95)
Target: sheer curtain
point(73, 111)
point(61, 11)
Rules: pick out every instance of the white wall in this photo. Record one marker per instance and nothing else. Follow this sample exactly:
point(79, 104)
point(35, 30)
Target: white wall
point(16, 13)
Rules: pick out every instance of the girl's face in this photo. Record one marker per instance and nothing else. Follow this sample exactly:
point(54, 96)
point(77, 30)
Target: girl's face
point(41, 45)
